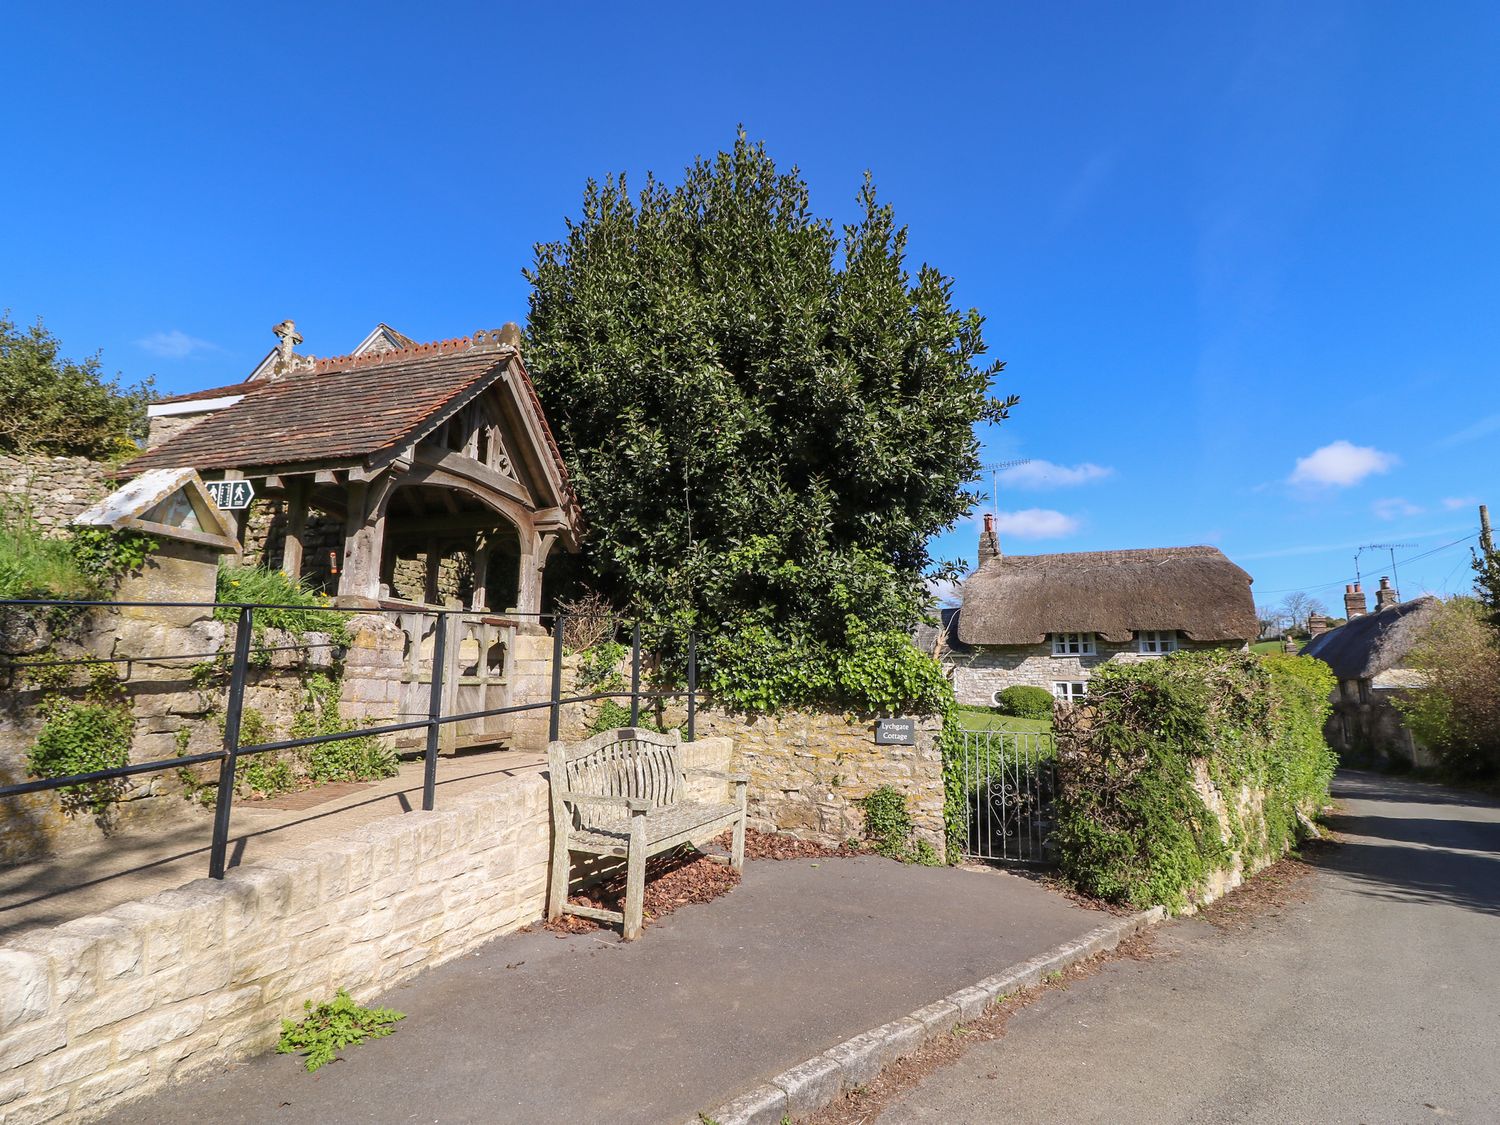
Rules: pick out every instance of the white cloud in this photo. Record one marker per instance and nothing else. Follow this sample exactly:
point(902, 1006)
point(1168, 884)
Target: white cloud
point(945, 591)
point(1341, 464)
point(174, 344)
point(1044, 474)
point(1454, 503)
point(1036, 523)
point(1395, 508)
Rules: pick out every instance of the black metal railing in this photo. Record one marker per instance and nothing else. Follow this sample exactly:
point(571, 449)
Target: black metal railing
point(232, 752)
point(1009, 782)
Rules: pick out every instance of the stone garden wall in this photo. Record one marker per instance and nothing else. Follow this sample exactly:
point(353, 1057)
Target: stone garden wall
point(106, 1009)
point(809, 770)
point(51, 489)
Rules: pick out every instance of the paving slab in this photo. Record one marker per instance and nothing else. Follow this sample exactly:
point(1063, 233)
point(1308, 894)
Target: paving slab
point(710, 1003)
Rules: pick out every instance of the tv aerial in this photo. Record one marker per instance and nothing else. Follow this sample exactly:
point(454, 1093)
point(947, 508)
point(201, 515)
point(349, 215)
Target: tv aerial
point(1392, 548)
point(995, 468)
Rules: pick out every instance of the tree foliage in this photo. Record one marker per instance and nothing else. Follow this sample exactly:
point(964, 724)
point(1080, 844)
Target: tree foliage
point(59, 406)
point(766, 419)
point(1456, 713)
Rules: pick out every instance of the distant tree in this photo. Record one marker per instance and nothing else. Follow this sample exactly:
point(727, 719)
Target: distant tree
point(1269, 618)
point(1456, 713)
point(1486, 562)
point(58, 406)
point(766, 420)
point(1298, 607)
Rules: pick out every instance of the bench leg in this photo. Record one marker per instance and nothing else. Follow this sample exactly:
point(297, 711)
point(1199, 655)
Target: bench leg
point(557, 888)
point(737, 847)
point(635, 878)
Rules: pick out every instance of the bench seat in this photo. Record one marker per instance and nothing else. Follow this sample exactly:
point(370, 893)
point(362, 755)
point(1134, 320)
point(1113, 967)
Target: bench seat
point(623, 794)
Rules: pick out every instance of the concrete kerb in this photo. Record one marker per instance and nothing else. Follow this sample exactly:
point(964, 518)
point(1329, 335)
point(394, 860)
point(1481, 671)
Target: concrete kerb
point(814, 1084)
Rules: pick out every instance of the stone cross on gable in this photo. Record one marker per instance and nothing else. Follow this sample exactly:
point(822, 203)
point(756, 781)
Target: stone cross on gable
point(287, 333)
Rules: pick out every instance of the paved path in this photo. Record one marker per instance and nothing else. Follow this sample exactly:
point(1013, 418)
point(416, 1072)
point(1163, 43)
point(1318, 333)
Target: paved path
point(1376, 1000)
point(713, 1000)
point(158, 857)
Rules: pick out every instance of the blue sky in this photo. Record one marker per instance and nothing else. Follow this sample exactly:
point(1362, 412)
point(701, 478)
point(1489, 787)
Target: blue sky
point(1240, 260)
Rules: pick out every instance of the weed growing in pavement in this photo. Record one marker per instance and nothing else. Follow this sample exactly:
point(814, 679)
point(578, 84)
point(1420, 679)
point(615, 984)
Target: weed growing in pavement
point(333, 1025)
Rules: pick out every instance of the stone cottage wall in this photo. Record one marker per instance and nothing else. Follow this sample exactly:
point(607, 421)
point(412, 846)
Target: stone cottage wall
point(981, 672)
point(52, 489)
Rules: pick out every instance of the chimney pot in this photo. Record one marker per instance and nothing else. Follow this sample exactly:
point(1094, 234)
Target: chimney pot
point(989, 541)
point(1354, 602)
point(1385, 596)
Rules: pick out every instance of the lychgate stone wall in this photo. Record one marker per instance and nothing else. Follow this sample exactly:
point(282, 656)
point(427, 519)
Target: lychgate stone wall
point(52, 489)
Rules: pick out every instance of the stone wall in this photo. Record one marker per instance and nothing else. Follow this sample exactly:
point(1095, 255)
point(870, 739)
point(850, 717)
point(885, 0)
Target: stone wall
point(809, 769)
point(106, 1009)
point(52, 489)
point(322, 542)
point(981, 672)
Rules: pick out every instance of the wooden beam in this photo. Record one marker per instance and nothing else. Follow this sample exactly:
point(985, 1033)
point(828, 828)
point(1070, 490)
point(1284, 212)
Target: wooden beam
point(456, 464)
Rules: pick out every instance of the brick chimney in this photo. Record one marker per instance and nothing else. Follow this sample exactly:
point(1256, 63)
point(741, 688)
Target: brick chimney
point(1385, 596)
point(1317, 624)
point(1354, 601)
point(989, 540)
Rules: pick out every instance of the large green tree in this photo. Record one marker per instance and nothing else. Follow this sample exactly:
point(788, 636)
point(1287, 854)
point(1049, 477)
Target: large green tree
point(59, 406)
point(766, 418)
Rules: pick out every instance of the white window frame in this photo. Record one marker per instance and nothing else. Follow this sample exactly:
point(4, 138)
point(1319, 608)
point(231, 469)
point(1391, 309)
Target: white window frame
point(1069, 691)
point(1073, 644)
point(1156, 642)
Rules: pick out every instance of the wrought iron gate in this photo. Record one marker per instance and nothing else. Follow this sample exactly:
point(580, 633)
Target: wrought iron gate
point(1009, 782)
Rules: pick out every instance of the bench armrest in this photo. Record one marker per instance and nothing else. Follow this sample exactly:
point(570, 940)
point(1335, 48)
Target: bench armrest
point(720, 774)
point(634, 804)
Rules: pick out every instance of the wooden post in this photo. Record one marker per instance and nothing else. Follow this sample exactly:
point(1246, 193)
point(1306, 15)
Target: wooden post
point(480, 598)
point(296, 528)
point(364, 531)
point(434, 563)
point(236, 520)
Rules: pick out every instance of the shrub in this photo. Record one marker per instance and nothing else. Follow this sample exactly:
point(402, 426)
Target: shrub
point(84, 736)
point(1131, 823)
point(87, 562)
point(1025, 702)
point(890, 828)
point(1456, 713)
point(301, 609)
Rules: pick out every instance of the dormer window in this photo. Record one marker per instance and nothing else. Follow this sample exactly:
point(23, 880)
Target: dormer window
point(1155, 642)
point(1072, 644)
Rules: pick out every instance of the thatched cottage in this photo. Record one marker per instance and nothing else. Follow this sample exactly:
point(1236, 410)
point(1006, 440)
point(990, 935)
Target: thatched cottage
point(1369, 655)
point(1050, 620)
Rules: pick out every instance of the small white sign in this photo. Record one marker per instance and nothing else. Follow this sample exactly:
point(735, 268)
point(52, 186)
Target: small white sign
point(230, 495)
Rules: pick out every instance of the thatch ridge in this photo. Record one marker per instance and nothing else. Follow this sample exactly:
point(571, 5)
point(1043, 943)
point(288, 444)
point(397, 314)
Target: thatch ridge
point(1019, 599)
point(1372, 643)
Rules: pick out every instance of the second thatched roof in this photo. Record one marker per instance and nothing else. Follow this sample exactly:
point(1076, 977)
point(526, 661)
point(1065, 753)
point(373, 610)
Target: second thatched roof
point(1372, 643)
point(1019, 599)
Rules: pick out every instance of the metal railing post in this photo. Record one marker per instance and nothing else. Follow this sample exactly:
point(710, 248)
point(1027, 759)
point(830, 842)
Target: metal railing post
point(234, 711)
point(554, 726)
point(435, 711)
point(635, 674)
point(692, 686)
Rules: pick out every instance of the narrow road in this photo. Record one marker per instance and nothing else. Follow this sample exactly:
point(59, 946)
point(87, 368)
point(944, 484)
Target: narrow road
point(1376, 999)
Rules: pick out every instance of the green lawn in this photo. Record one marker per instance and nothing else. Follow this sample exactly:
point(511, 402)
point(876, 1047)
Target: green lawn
point(983, 718)
point(1264, 647)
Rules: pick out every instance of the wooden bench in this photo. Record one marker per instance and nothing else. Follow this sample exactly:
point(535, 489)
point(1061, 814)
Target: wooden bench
point(623, 793)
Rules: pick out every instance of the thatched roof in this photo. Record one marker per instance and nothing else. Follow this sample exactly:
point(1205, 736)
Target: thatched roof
point(1366, 646)
point(1019, 599)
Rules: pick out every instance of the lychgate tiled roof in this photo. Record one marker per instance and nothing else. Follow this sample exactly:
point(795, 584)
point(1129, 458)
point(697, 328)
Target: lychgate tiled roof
point(342, 409)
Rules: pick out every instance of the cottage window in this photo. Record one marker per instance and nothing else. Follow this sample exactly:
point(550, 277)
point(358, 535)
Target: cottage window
point(1072, 644)
point(1154, 642)
point(1070, 691)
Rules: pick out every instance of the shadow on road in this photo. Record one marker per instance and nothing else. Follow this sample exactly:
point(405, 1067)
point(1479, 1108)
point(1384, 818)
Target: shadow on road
point(1445, 858)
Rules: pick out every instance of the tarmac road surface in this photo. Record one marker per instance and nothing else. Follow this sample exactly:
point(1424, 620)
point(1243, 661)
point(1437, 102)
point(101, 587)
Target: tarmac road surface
point(1376, 999)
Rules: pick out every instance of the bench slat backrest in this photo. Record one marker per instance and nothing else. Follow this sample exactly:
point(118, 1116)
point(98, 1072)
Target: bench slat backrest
point(629, 762)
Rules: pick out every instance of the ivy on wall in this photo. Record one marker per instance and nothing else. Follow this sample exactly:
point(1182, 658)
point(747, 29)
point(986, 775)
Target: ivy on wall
point(1132, 825)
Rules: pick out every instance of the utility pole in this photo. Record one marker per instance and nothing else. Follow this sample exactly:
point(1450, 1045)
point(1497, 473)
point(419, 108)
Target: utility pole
point(1486, 537)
